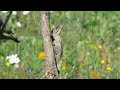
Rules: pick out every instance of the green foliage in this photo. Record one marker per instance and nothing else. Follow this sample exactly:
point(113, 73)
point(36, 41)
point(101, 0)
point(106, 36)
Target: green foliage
point(89, 37)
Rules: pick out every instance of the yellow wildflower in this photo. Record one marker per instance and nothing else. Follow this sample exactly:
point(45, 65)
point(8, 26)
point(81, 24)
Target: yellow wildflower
point(109, 68)
point(100, 46)
point(41, 55)
point(64, 66)
point(95, 75)
point(102, 61)
point(118, 48)
point(7, 64)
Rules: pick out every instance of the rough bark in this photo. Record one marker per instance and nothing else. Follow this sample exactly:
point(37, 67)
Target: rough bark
point(50, 67)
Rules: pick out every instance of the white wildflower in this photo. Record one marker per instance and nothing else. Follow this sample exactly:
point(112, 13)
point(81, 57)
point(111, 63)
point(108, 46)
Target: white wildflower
point(18, 24)
point(13, 59)
point(8, 57)
point(16, 65)
point(52, 11)
point(14, 13)
point(17, 60)
point(4, 11)
point(26, 12)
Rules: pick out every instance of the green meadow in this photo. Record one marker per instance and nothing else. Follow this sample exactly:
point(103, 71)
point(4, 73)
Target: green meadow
point(91, 45)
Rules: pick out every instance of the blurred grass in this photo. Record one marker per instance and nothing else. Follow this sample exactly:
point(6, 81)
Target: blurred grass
point(83, 33)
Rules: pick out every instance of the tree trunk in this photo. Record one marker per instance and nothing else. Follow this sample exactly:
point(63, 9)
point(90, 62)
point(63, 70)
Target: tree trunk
point(50, 65)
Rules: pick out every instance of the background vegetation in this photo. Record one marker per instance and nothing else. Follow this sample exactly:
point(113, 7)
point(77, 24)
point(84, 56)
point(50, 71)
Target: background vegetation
point(91, 41)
